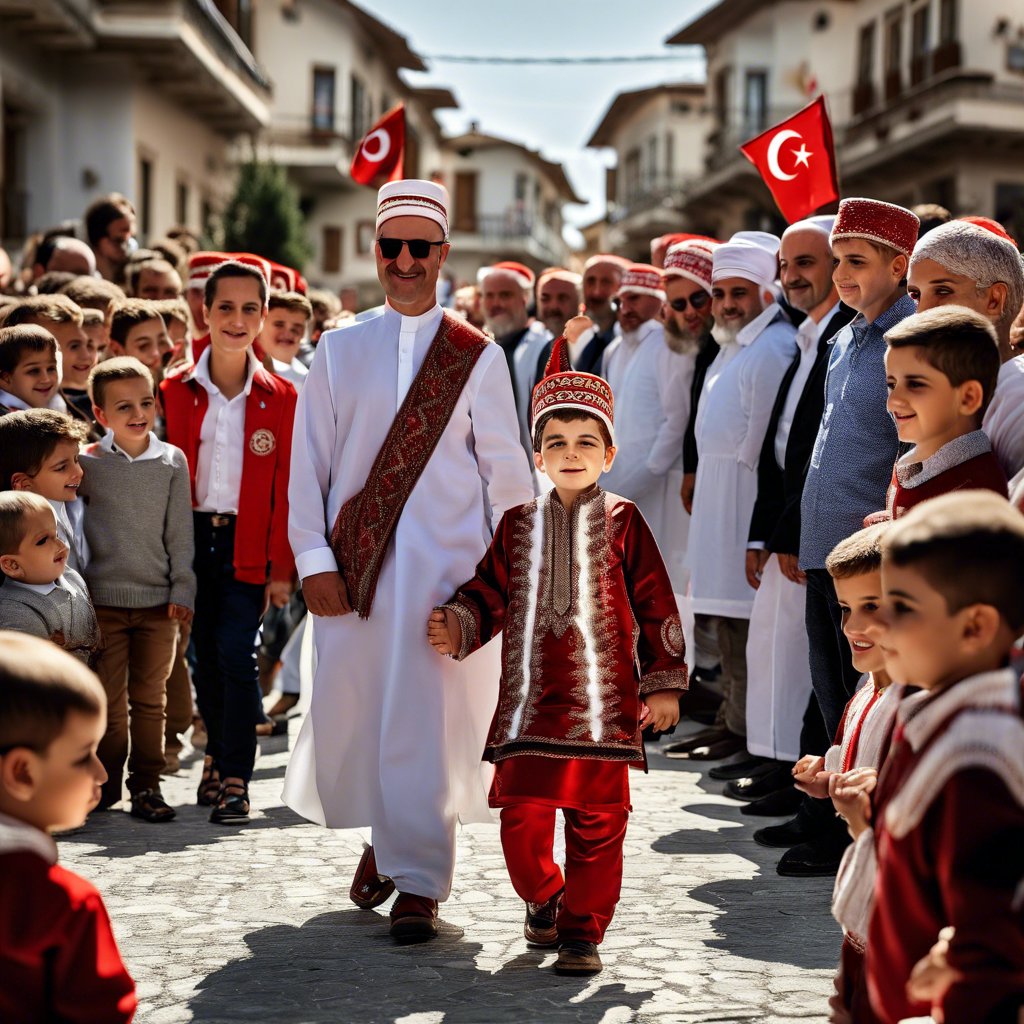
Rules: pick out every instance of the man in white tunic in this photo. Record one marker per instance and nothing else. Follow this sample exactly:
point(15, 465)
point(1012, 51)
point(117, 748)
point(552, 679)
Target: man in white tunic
point(757, 345)
point(649, 381)
point(406, 454)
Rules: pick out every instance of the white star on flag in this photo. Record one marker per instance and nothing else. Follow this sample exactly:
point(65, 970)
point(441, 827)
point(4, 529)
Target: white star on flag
point(803, 154)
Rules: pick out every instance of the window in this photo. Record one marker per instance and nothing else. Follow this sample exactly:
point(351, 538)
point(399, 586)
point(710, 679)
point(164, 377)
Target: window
point(652, 160)
point(948, 21)
point(722, 97)
point(181, 202)
point(145, 193)
point(755, 102)
point(866, 54)
point(465, 201)
point(330, 260)
point(920, 43)
point(323, 99)
point(206, 215)
point(521, 183)
point(893, 53)
point(669, 156)
point(358, 101)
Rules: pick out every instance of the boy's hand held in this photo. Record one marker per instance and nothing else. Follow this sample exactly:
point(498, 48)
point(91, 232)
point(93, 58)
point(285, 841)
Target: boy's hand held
point(179, 612)
point(444, 633)
point(664, 709)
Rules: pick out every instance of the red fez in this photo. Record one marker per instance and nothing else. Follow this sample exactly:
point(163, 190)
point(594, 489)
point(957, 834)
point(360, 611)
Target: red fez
point(876, 221)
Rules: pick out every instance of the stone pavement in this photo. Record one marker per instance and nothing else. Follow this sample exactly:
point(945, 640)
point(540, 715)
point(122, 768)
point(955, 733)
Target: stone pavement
point(253, 924)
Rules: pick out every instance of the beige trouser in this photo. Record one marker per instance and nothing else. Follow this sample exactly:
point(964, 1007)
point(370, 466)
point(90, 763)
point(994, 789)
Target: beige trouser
point(180, 709)
point(732, 643)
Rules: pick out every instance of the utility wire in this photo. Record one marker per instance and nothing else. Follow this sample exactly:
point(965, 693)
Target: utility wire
point(647, 58)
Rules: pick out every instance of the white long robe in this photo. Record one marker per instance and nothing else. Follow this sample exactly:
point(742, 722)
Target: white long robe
point(395, 732)
point(732, 419)
point(651, 388)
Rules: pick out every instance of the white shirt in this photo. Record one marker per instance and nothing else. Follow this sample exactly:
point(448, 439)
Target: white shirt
point(221, 442)
point(1004, 418)
point(37, 588)
point(71, 530)
point(154, 449)
point(808, 334)
point(293, 371)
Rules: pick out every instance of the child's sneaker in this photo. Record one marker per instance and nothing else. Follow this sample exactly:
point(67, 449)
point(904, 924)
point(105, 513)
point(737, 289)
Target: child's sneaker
point(577, 957)
point(539, 928)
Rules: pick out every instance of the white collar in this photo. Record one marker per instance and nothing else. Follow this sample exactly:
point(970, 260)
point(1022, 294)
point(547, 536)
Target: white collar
point(414, 323)
point(12, 401)
point(201, 371)
point(16, 836)
point(153, 451)
point(810, 329)
point(631, 339)
point(748, 333)
point(38, 588)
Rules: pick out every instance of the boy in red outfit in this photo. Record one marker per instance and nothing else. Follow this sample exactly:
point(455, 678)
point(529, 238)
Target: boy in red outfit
point(948, 810)
point(58, 956)
point(592, 650)
point(233, 421)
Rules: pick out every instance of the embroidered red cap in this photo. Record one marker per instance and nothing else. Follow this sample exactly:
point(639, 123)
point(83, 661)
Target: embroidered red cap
point(522, 273)
point(642, 279)
point(565, 388)
point(691, 260)
point(990, 225)
point(871, 219)
point(202, 264)
point(286, 279)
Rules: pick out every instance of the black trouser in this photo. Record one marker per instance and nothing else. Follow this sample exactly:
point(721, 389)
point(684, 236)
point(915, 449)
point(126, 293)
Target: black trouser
point(224, 632)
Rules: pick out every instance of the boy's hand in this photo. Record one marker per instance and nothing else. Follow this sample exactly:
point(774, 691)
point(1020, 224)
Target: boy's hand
point(576, 326)
point(932, 976)
point(326, 594)
point(850, 792)
point(278, 593)
point(444, 632)
point(663, 708)
point(179, 612)
point(810, 777)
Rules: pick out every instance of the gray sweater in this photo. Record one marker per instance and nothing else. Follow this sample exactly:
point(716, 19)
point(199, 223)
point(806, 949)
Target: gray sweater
point(65, 609)
point(138, 523)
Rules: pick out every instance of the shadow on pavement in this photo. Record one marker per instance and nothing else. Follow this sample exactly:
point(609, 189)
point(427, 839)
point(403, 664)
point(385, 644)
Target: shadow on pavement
point(343, 966)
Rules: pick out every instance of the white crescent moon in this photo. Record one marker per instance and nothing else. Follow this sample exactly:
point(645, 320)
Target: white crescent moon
point(383, 142)
point(773, 153)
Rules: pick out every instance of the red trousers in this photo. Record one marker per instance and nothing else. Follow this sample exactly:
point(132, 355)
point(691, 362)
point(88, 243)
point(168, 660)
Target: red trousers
point(593, 864)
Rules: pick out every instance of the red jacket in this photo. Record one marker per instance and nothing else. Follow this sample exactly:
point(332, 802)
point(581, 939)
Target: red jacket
point(261, 532)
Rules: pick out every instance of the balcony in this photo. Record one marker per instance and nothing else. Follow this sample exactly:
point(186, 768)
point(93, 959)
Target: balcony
point(510, 232)
point(315, 154)
point(724, 142)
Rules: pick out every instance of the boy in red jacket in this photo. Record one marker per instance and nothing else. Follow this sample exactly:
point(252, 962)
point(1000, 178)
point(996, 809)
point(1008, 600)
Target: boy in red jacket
point(58, 956)
point(233, 420)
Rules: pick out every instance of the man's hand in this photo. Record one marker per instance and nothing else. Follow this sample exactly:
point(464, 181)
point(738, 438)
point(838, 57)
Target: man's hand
point(755, 563)
point(810, 777)
point(576, 326)
point(850, 792)
point(663, 707)
point(326, 594)
point(790, 567)
point(444, 631)
point(179, 612)
point(686, 491)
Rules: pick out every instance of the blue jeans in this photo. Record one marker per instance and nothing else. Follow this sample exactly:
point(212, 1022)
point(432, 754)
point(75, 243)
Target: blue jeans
point(226, 677)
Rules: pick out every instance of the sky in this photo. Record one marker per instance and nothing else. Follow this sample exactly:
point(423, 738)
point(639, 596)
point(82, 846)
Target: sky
point(547, 107)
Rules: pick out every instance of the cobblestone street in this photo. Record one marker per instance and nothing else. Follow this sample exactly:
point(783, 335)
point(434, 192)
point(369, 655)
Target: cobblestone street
point(254, 924)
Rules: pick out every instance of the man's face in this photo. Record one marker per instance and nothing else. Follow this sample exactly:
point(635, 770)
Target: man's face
point(930, 284)
point(735, 302)
point(557, 302)
point(687, 308)
point(282, 333)
point(158, 284)
point(635, 309)
point(410, 283)
point(805, 270)
point(236, 316)
point(77, 350)
point(600, 284)
point(504, 303)
point(116, 244)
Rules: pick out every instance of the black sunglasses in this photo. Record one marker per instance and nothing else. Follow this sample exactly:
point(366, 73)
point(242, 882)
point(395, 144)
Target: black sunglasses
point(419, 248)
point(699, 300)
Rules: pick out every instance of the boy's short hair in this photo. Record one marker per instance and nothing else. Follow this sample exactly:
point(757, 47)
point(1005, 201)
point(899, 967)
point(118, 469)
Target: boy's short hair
point(233, 268)
point(117, 368)
point(961, 344)
point(28, 438)
point(129, 314)
point(569, 416)
point(294, 302)
point(969, 546)
point(16, 341)
point(52, 281)
point(330, 303)
point(154, 261)
point(14, 507)
point(94, 292)
point(174, 309)
point(40, 685)
point(57, 309)
point(92, 317)
point(858, 554)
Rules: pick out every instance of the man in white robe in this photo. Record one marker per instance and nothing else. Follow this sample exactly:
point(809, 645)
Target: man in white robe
point(650, 384)
point(394, 734)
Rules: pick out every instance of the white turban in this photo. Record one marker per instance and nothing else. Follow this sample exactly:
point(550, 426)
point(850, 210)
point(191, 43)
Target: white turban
point(743, 259)
point(413, 197)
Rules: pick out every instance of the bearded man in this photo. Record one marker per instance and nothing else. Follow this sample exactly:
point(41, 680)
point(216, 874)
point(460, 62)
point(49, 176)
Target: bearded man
point(405, 455)
point(602, 278)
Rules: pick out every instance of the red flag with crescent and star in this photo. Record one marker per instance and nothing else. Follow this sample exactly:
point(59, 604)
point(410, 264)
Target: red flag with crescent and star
point(797, 161)
point(379, 156)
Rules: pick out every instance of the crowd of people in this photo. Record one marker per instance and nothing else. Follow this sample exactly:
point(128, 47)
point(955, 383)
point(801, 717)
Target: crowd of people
point(794, 462)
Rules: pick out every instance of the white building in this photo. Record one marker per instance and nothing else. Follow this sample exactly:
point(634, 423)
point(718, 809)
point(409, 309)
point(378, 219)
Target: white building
point(119, 96)
point(926, 99)
point(658, 136)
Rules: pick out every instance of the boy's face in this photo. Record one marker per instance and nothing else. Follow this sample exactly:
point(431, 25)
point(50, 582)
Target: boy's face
point(860, 601)
point(129, 409)
point(78, 353)
point(921, 399)
point(282, 333)
point(573, 454)
point(236, 317)
point(862, 275)
point(146, 341)
point(34, 380)
point(42, 555)
point(57, 789)
point(58, 477)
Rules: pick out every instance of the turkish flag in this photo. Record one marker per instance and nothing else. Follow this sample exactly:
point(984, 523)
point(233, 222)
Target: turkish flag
point(379, 157)
point(797, 161)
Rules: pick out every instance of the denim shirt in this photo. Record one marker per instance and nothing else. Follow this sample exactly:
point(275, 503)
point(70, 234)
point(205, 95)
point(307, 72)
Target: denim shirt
point(856, 447)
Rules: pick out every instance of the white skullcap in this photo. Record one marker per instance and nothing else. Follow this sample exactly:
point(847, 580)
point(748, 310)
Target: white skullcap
point(823, 225)
point(765, 239)
point(743, 259)
point(413, 197)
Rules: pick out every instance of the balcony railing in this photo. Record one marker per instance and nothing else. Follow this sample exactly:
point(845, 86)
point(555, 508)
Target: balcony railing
point(649, 195)
point(724, 142)
point(513, 227)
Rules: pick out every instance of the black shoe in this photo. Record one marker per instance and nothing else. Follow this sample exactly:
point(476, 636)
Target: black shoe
point(698, 739)
point(700, 699)
point(792, 833)
point(232, 806)
point(730, 744)
point(811, 860)
point(576, 957)
point(742, 766)
point(763, 785)
point(539, 928)
point(780, 804)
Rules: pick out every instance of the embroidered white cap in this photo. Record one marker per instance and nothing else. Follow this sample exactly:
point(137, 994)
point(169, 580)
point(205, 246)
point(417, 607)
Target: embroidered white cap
point(413, 197)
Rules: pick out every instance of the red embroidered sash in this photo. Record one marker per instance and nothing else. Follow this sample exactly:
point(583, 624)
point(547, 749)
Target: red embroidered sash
point(367, 521)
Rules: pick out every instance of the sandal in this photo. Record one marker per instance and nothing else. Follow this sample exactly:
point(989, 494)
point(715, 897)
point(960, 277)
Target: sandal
point(232, 807)
point(209, 784)
point(150, 806)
